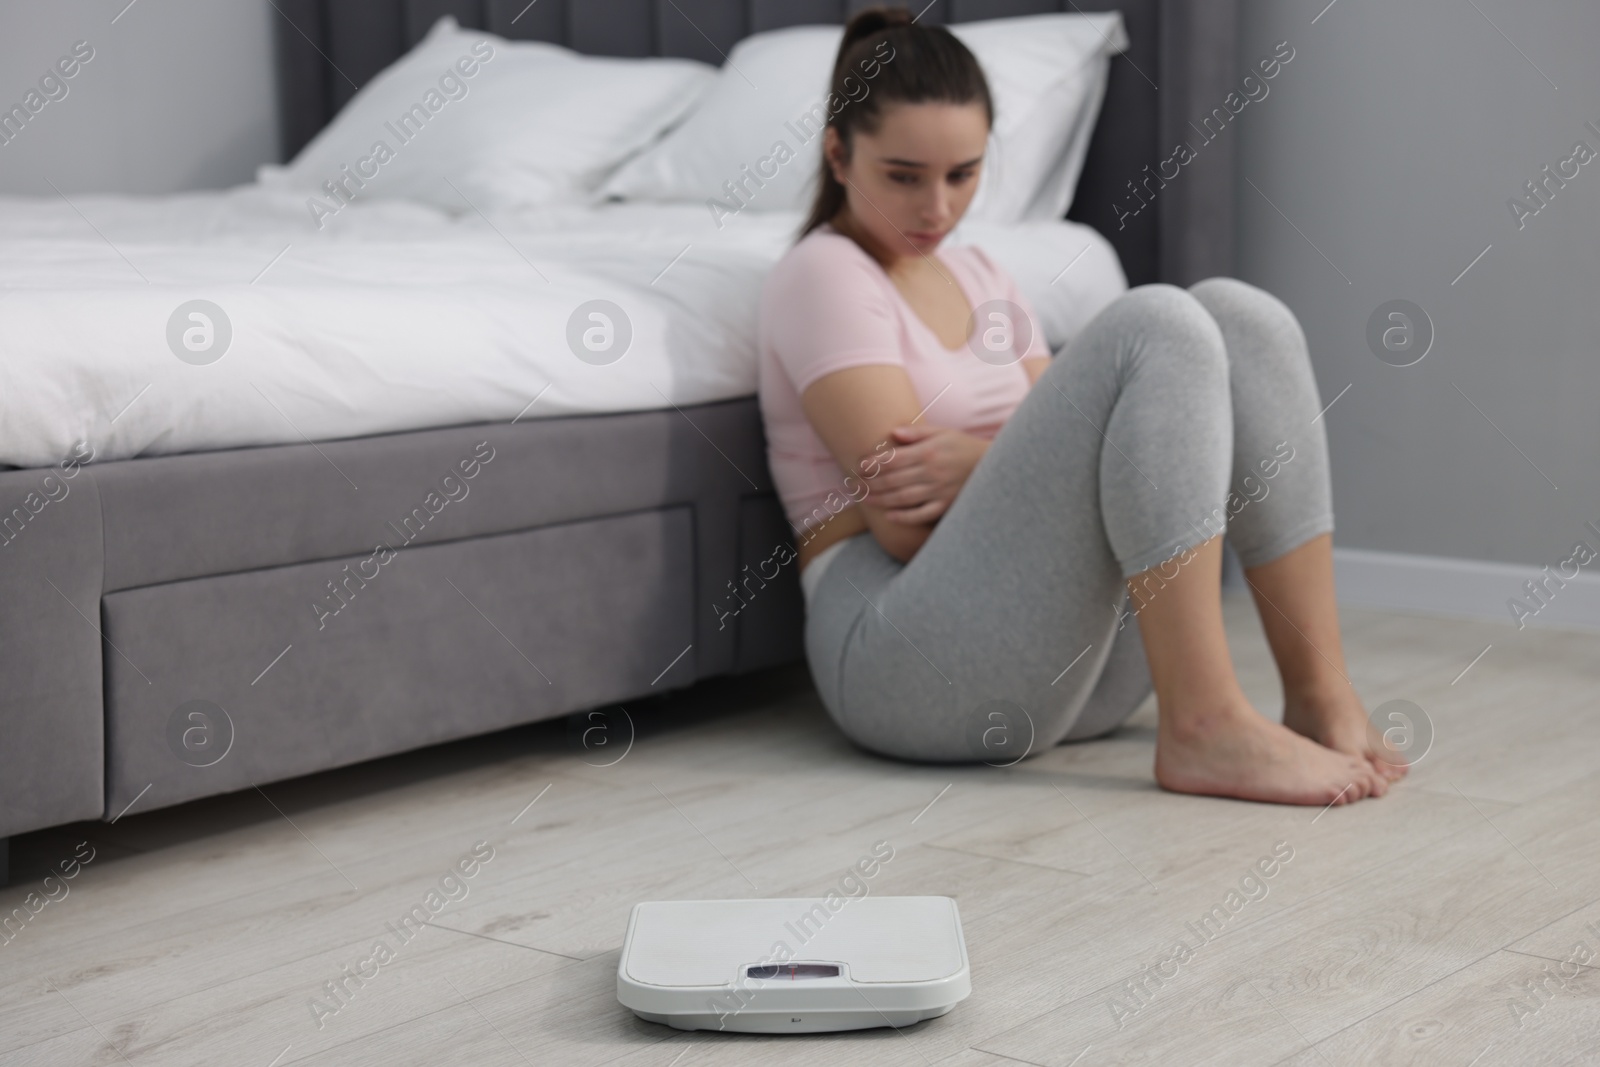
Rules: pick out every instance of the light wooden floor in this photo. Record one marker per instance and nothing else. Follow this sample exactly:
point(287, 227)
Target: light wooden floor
point(1402, 931)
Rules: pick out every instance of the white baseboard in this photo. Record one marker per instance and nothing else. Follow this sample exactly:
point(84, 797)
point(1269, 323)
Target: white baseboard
point(1461, 588)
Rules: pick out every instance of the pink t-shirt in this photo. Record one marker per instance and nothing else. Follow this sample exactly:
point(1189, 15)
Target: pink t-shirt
point(828, 305)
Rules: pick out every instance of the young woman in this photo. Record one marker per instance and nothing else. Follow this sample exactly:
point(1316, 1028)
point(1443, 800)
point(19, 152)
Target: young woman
point(971, 512)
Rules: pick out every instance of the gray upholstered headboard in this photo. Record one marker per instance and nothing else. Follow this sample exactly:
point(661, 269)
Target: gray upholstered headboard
point(1179, 67)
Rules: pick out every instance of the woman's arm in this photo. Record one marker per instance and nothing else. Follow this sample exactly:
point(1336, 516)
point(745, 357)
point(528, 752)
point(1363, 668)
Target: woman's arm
point(927, 469)
point(855, 412)
point(930, 464)
point(910, 473)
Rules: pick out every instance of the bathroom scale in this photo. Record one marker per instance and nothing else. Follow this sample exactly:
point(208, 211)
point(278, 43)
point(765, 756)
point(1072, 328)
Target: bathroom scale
point(797, 966)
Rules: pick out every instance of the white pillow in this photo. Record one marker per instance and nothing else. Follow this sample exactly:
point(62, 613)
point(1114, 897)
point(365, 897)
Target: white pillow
point(1046, 73)
point(512, 124)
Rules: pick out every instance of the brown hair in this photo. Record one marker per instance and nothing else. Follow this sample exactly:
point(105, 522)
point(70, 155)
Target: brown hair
point(897, 60)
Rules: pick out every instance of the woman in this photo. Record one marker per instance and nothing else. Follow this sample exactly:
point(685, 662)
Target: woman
point(970, 512)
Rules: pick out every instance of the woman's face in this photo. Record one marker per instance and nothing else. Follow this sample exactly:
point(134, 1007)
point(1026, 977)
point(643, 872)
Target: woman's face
point(908, 184)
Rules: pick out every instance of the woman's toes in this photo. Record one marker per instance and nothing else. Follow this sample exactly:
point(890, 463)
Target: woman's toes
point(1389, 772)
point(1346, 788)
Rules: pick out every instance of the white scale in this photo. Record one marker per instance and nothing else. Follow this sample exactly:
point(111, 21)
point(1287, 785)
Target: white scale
point(718, 965)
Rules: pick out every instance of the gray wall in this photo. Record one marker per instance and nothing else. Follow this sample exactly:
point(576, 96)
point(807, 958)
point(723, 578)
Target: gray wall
point(180, 95)
point(1393, 141)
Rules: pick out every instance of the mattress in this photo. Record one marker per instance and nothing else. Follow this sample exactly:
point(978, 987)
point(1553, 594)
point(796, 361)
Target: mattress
point(149, 326)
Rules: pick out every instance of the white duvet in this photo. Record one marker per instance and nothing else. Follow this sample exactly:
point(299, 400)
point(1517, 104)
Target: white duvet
point(396, 316)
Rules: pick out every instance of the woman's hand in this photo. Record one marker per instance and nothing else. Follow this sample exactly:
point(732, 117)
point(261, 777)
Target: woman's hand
point(930, 464)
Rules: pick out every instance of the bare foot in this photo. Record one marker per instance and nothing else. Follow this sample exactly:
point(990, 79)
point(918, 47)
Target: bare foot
point(1235, 752)
point(1336, 718)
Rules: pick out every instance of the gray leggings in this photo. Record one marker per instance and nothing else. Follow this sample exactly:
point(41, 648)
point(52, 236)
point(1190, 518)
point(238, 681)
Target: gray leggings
point(1011, 630)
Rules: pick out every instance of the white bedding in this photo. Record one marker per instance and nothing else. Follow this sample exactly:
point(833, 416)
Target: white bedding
point(397, 316)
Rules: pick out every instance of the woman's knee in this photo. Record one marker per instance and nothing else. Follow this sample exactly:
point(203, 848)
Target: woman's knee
point(1228, 295)
point(1161, 302)
point(1163, 325)
point(1249, 315)
point(1152, 321)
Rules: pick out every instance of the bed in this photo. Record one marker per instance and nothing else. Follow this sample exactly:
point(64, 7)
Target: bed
point(402, 512)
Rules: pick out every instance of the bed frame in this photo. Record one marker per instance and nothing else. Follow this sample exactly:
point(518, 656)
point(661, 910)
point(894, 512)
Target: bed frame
point(594, 560)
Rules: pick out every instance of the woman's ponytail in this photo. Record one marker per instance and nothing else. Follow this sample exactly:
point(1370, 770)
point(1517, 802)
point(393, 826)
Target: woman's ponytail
point(871, 20)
